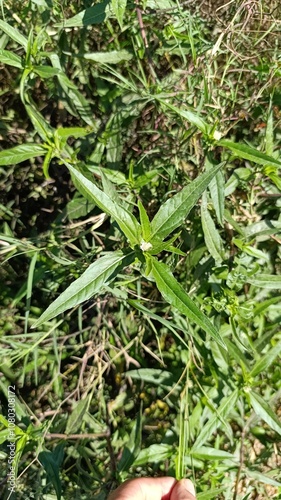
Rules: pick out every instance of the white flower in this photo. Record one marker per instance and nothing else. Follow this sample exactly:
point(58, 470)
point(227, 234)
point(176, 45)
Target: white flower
point(217, 135)
point(145, 246)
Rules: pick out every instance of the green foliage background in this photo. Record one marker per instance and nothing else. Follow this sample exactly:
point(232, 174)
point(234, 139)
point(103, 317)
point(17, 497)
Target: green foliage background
point(140, 245)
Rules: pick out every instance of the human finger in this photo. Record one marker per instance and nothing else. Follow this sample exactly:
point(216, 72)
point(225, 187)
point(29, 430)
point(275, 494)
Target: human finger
point(183, 490)
point(144, 488)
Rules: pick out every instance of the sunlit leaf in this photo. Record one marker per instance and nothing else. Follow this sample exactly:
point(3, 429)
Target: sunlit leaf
point(18, 154)
point(264, 411)
point(8, 57)
point(92, 280)
point(174, 211)
point(175, 295)
point(126, 221)
point(248, 153)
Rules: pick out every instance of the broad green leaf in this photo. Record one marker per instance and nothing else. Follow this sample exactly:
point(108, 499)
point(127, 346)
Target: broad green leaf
point(87, 17)
point(154, 453)
point(77, 132)
point(49, 462)
point(118, 8)
point(46, 71)
point(92, 280)
point(227, 404)
point(76, 417)
point(161, 378)
point(262, 306)
point(132, 447)
point(126, 221)
point(269, 281)
point(174, 211)
point(266, 360)
point(175, 295)
point(264, 411)
point(188, 114)
point(8, 57)
point(248, 153)
point(208, 453)
point(21, 153)
point(113, 57)
point(115, 176)
point(13, 33)
point(211, 235)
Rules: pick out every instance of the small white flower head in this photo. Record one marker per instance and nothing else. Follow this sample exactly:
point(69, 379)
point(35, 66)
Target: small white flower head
point(145, 246)
point(217, 135)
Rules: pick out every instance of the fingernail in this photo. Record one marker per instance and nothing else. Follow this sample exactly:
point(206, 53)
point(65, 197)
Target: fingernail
point(188, 485)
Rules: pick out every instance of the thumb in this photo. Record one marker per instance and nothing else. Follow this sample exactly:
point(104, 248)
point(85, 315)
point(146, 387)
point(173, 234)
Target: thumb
point(183, 490)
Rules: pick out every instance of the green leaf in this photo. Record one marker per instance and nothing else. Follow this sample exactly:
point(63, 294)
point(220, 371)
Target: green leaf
point(41, 125)
point(262, 478)
point(21, 153)
point(175, 295)
point(174, 211)
point(248, 153)
point(264, 363)
point(8, 57)
point(264, 411)
point(77, 103)
point(208, 453)
point(126, 221)
point(13, 33)
point(216, 189)
point(145, 222)
point(118, 8)
point(161, 378)
point(46, 71)
point(132, 448)
point(269, 133)
point(49, 462)
point(188, 114)
point(227, 404)
point(92, 280)
point(154, 453)
point(211, 235)
point(112, 57)
point(87, 17)
point(76, 417)
point(269, 281)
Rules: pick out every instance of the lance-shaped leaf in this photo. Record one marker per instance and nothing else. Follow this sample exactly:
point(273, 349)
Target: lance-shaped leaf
point(101, 272)
point(265, 281)
point(212, 237)
point(264, 411)
point(175, 295)
point(265, 361)
point(21, 153)
point(13, 33)
point(248, 153)
point(8, 57)
point(174, 211)
point(126, 221)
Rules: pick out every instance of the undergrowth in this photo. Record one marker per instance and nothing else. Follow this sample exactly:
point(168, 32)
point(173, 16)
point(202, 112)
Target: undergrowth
point(140, 246)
